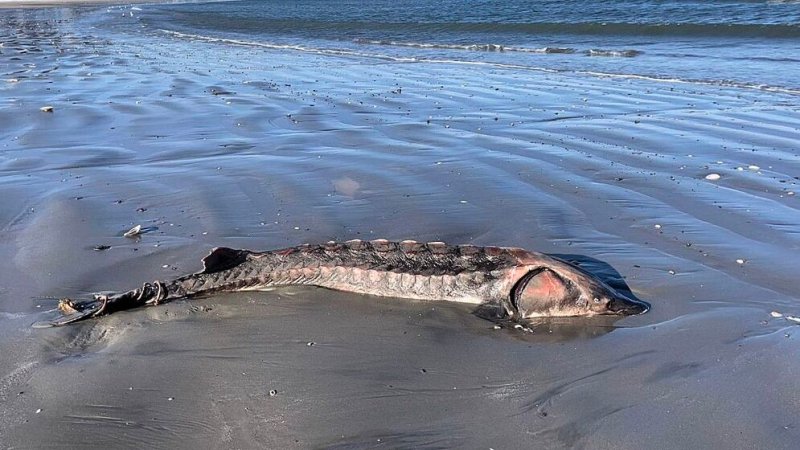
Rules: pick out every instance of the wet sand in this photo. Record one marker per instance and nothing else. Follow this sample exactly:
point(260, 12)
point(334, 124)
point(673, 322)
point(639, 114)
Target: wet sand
point(211, 144)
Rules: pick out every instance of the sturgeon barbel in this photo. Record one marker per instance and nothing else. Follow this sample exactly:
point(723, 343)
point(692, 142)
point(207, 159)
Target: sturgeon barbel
point(523, 283)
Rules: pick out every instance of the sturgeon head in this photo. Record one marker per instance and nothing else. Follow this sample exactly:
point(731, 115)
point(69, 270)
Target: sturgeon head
point(550, 287)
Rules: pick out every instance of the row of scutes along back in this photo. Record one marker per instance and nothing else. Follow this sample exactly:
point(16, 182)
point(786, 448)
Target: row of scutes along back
point(406, 246)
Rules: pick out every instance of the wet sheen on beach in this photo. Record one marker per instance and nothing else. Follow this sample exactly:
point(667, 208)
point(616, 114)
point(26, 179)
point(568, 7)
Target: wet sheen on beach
point(679, 189)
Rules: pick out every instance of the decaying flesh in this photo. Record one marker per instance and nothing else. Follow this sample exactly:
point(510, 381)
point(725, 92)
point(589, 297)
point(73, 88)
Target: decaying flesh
point(525, 284)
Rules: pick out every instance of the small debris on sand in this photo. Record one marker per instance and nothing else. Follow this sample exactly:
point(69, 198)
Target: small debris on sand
point(100, 248)
point(47, 109)
point(713, 177)
point(135, 231)
point(778, 315)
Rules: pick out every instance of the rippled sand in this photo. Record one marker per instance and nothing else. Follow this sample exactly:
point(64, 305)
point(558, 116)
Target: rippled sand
point(211, 144)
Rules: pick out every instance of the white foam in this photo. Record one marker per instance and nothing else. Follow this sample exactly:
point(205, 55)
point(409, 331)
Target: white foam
point(351, 53)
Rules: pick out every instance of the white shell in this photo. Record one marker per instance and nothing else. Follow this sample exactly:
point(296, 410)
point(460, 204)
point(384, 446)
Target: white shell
point(135, 231)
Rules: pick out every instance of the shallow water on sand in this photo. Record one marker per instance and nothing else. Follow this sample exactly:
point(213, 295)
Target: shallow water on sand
point(212, 144)
point(720, 42)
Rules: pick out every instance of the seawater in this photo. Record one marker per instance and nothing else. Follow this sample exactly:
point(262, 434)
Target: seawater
point(754, 44)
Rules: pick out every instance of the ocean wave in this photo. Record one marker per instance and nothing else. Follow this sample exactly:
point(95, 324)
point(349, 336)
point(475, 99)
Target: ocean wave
point(614, 53)
point(682, 29)
point(468, 47)
point(275, 46)
point(350, 53)
point(629, 53)
point(331, 29)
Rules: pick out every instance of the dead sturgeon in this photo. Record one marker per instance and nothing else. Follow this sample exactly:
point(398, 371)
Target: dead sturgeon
point(525, 284)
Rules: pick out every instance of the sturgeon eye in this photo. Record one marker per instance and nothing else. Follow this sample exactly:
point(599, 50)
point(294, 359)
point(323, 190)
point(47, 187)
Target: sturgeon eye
point(596, 300)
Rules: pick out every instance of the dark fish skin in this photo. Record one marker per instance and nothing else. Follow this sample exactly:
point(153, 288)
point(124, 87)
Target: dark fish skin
point(525, 284)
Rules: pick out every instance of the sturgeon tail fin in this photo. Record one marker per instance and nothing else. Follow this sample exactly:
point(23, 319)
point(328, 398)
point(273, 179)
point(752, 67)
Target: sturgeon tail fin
point(71, 311)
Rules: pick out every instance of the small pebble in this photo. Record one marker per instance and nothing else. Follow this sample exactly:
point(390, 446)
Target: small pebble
point(310, 344)
point(47, 109)
point(775, 314)
point(273, 392)
point(657, 226)
point(100, 248)
point(713, 177)
point(496, 327)
point(38, 410)
point(753, 167)
point(740, 261)
point(170, 398)
point(793, 319)
point(672, 272)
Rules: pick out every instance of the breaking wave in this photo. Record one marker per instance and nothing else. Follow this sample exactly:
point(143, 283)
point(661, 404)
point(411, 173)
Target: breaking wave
point(434, 60)
point(503, 48)
point(468, 47)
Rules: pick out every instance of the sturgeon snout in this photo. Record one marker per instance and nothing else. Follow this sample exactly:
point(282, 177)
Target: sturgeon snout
point(623, 305)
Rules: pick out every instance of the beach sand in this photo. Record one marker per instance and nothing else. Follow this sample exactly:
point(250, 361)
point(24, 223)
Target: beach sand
point(209, 144)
